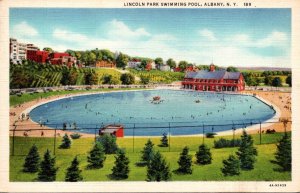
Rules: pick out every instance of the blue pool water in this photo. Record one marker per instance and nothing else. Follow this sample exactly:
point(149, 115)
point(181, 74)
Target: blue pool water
point(138, 114)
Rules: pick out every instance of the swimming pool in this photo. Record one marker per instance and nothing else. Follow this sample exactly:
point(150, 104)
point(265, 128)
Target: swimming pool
point(177, 111)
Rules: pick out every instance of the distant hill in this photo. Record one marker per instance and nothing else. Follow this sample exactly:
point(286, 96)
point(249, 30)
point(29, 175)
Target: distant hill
point(264, 69)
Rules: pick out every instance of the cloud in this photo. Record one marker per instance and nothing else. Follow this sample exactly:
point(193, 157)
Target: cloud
point(69, 36)
point(118, 29)
point(23, 29)
point(275, 39)
point(208, 34)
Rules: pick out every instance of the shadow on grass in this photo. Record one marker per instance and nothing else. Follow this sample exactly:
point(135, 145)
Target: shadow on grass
point(141, 164)
point(116, 178)
point(278, 168)
point(177, 172)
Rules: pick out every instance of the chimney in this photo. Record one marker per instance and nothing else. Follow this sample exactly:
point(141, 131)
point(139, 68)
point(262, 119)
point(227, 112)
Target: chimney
point(212, 68)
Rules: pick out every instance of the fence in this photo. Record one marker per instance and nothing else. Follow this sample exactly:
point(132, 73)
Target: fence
point(179, 134)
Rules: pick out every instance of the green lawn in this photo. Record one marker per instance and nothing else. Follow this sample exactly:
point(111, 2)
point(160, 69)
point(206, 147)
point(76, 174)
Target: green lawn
point(264, 169)
point(16, 100)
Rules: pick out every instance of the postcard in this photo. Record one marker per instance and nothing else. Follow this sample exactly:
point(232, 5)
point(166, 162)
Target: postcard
point(148, 96)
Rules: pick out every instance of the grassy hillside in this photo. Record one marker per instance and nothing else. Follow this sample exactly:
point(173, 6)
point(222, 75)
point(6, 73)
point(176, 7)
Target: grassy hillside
point(157, 76)
point(264, 169)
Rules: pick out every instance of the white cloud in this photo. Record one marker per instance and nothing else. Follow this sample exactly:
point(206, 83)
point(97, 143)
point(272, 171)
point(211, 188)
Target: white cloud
point(208, 34)
point(275, 39)
point(69, 36)
point(23, 29)
point(118, 29)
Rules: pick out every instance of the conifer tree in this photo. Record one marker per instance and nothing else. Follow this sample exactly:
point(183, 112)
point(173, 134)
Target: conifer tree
point(73, 172)
point(247, 152)
point(48, 170)
point(32, 160)
point(158, 169)
point(148, 152)
point(185, 162)
point(203, 155)
point(66, 142)
point(283, 154)
point(231, 166)
point(164, 141)
point(121, 168)
point(109, 143)
point(96, 156)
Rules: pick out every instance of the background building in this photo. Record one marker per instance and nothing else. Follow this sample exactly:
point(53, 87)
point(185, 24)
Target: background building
point(17, 51)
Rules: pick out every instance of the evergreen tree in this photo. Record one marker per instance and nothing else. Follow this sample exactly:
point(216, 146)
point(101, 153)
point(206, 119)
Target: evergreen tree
point(48, 170)
point(231, 166)
point(96, 156)
point(164, 141)
point(203, 155)
point(73, 173)
point(121, 168)
point(148, 152)
point(283, 154)
point(247, 152)
point(109, 143)
point(66, 142)
point(32, 160)
point(158, 170)
point(185, 162)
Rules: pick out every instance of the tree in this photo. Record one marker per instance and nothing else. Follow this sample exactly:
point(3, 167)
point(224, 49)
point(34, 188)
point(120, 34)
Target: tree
point(159, 61)
point(144, 79)
point(231, 166)
point(182, 65)
point(158, 169)
point(48, 49)
point(277, 82)
point(289, 80)
point(66, 142)
point(171, 63)
point(122, 60)
point(127, 78)
point(232, 69)
point(121, 168)
point(109, 79)
point(109, 143)
point(268, 80)
point(73, 75)
point(73, 172)
point(91, 58)
point(164, 140)
point(91, 78)
point(148, 152)
point(203, 155)
point(32, 160)
point(96, 156)
point(247, 152)
point(48, 170)
point(283, 154)
point(71, 52)
point(185, 162)
point(65, 76)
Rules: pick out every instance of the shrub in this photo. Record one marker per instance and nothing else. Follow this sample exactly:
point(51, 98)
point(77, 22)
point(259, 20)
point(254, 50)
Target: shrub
point(227, 143)
point(121, 168)
point(109, 143)
point(66, 142)
point(48, 170)
point(127, 78)
point(96, 156)
point(148, 152)
point(185, 162)
point(210, 135)
point(247, 152)
point(164, 141)
point(32, 160)
point(283, 154)
point(73, 173)
point(158, 170)
point(203, 155)
point(270, 131)
point(231, 166)
point(75, 135)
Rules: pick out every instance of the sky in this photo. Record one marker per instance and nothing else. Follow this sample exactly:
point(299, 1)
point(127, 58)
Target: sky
point(238, 37)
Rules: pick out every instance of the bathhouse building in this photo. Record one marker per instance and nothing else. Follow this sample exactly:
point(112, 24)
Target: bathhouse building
point(214, 80)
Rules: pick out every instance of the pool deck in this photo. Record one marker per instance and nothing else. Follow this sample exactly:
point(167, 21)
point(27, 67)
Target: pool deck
point(279, 100)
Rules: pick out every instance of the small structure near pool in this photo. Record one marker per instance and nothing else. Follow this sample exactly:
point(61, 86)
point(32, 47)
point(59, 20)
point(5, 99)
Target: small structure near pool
point(112, 129)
